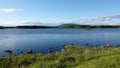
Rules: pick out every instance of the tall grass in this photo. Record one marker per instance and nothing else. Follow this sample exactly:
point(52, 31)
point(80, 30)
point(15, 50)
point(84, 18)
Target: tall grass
point(69, 57)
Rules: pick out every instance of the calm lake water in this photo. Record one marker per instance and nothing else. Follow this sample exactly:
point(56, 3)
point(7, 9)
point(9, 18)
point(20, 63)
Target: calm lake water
point(40, 40)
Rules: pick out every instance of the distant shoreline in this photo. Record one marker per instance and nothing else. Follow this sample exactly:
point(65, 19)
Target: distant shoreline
point(87, 27)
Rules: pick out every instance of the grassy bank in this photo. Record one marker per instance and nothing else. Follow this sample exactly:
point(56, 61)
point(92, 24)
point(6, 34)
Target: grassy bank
point(69, 57)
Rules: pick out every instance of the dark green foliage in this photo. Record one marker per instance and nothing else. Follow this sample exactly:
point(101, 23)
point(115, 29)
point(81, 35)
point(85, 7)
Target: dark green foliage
point(33, 27)
point(1, 27)
point(87, 27)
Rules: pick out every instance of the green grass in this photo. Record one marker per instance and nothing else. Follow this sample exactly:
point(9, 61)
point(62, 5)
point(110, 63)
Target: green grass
point(69, 57)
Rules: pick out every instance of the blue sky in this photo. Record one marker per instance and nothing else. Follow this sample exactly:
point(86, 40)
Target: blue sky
point(22, 12)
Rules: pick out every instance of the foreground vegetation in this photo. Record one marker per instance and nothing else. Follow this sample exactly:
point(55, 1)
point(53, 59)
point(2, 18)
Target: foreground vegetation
point(69, 57)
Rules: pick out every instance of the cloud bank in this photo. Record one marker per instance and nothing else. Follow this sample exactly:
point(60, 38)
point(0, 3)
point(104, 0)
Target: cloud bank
point(9, 10)
point(108, 20)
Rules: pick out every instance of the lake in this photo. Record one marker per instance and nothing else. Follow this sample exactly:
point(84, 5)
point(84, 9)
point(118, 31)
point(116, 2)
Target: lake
point(40, 40)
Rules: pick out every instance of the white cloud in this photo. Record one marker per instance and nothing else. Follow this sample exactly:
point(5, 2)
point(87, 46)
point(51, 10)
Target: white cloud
point(9, 10)
point(10, 22)
point(108, 20)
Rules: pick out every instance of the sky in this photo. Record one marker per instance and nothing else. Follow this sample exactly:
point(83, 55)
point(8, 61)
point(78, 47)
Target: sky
point(55, 12)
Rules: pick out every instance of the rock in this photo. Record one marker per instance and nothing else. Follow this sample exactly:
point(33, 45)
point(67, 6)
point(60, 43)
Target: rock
point(118, 45)
point(102, 46)
point(29, 51)
point(108, 46)
point(8, 51)
point(50, 51)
